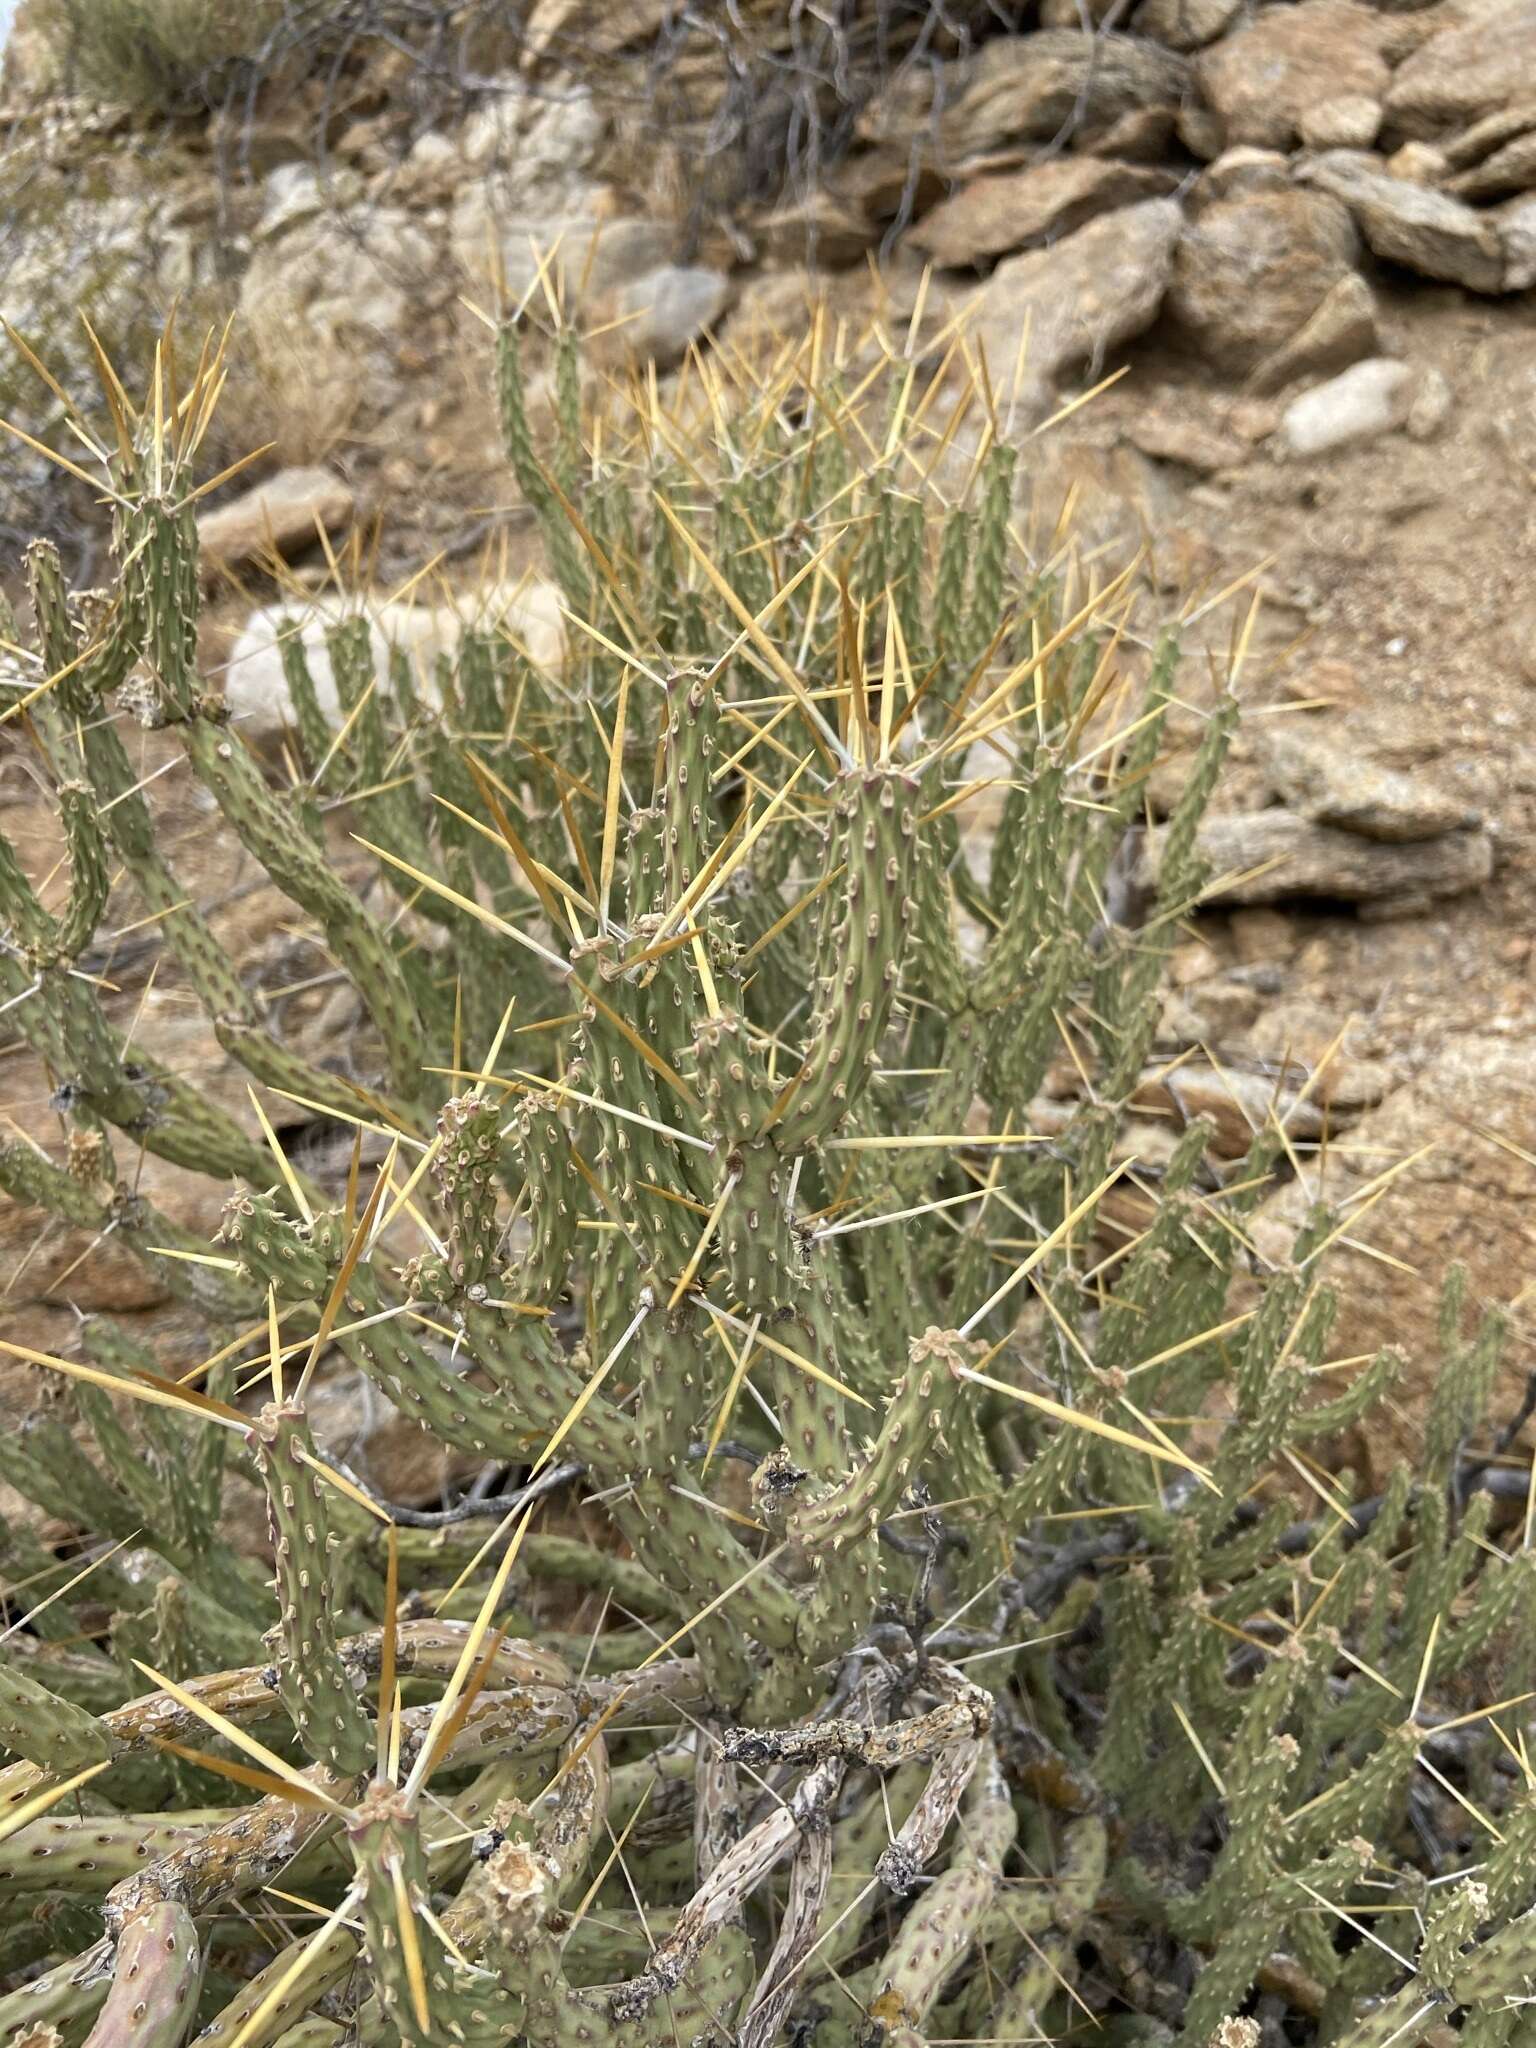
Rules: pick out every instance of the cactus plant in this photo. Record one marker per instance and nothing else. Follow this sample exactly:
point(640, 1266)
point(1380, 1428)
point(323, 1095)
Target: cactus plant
point(927, 1678)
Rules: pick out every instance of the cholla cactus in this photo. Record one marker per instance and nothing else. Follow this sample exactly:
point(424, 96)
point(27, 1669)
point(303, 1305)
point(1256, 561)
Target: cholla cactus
point(726, 966)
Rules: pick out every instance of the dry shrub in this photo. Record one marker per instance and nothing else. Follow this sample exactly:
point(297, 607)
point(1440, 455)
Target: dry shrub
point(288, 387)
point(160, 56)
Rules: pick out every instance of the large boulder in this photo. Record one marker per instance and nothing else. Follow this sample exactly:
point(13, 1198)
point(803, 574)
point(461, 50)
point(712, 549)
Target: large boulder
point(1184, 24)
point(1281, 857)
point(1079, 300)
point(1020, 209)
point(1422, 229)
point(1251, 270)
point(1475, 67)
point(345, 274)
point(1461, 1130)
point(1018, 90)
point(256, 689)
point(1262, 80)
point(286, 513)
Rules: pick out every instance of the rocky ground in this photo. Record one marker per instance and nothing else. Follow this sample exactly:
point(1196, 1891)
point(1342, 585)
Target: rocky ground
point(1306, 232)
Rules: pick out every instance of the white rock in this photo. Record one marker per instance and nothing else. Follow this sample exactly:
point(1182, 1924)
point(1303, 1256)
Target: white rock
point(585, 254)
point(342, 272)
point(256, 689)
point(666, 309)
point(1517, 231)
point(543, 142)
point(290, 192)
point(1367, 399)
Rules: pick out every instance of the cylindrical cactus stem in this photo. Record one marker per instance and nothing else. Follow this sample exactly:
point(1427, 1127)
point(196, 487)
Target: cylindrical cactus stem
point(719, 1900)
point(989, 550)
point(163, 554)
point(427, 1994)
point(916, 1842)
point(556, 1198)
point(166, 551)
point(941, 1926)
point(158, 1972)
point(517, 439)
point(469, 1127)
point(89, 876)
point(312, 1680)
point(69, 1995)
point(913, 1424)
point(281, 1254)
point(47, 1730)
point(756, 1237)
point(689, 740)
point(86, 1856)
point(62, 1018)
point(28, 1176)
point(861, 948)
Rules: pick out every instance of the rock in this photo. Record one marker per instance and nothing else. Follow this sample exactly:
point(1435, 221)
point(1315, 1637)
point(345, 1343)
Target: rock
point(1423, 230)
point(1419, 162)
point(1201, 130)
point(1067, 14)
point(539, 144)
point(256, 690)
point(1141, 135)
point(1342, 330)
point(1021, 89)
point(654, 318)
point(1262, 937)
point(1194, 961)
point(1349, 121)
point(1223, 1011)
point(1517, 237)
point(1173, 437)
point(1368, 399)
point(1239, 1104)
point(1326, 685)
point(549, 29)
point(584, 255)
point(293, 192)
point(1468, 1198)
point(1278, 857)
point(1330, 782)
point(1494, 158)
point(1431, 405)
point(1251, 270)
point(348, 273)
point(1095, 289)
point(1184, 24)
point(1018, 209)
point(286, 513)
point(431, 174)
point(1262, 80)
point(780, 302)
point(816, 227)
point(1243, 169)
point(1467, 71)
